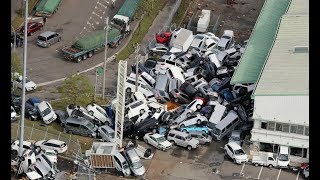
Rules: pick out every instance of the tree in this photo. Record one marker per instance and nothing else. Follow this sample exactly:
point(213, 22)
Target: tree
point(78, 89)
point(16, 64)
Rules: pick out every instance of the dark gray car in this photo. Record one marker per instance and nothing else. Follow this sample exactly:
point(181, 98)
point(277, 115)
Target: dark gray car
point(48, 38)
point(80, 126)
point(179, 97)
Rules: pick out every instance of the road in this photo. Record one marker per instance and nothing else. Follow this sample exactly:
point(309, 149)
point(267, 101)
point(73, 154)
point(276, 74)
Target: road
point(74, 19)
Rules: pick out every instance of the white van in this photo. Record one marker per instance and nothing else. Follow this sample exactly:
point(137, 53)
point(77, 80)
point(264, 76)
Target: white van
point(225, 126)
point(121, 164)
point(218, 113)
point(175, 73)
point(162, 82)
point(136, 108)
point(145, 78)
point(138, 96)
point(283, 156)
point(131, 86)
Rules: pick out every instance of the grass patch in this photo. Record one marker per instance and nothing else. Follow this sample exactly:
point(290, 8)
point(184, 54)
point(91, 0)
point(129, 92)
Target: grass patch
point(18, 20)
point(177, 19)
point(143, 27)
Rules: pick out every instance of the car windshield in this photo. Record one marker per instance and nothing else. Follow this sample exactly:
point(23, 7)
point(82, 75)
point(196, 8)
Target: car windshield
point(101, 111)
point(45, 112)
point(112, 134)
point(125, 165)
point(41, 38)
point(137, 164)
point(239, 152)
point(50, 154)
point(38, 171)
point(161, 139)
point(235, 138)
point(90, 125)
point(283, 157)
point(215, 130)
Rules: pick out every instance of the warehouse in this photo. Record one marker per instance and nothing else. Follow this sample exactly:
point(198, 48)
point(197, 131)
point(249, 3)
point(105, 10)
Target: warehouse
point(281, 98)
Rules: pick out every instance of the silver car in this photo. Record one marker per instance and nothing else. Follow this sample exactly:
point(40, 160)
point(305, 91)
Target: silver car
point(48, 38)
point(182, 139)
point(106, 133)
point(203, 138)
point(158, 49)
point(134, 162)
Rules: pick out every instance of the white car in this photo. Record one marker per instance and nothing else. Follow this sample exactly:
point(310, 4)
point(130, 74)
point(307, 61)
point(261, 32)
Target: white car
point(157, 140)
point(106, 133)
point(46, 112)
point(198, 42)
point(158, 49)
point(135, 108)
point(195, 104)
point(226, 41)
point(51, 154)
point(197, 119)
point(30, 85)
point(13, 114)
point(42, 170)
point(53, 144)
point(78, 111)
point(44, 159)
point(99, 113)
point(26, 145)
point(235, 152)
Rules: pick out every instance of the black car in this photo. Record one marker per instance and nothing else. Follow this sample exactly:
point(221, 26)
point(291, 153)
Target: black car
point(19, 39)
point(61, 116)
point(146, 67)
point(146, 126)
point(128, 127)
point(189, 89)
point(219, 84)
point(31, 112)
point(16, 102)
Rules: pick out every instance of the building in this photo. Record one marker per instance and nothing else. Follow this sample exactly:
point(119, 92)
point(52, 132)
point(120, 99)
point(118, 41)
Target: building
point(281, 97)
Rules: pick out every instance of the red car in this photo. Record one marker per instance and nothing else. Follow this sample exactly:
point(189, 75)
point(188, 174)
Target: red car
point(32, 28)
point(163, 38)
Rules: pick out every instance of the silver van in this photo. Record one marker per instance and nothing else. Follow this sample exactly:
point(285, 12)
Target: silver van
point(80, 126)
point(48, 38)
point(162, 82)
point(219, 111)
point(225, 126)
point(121, 164)
point(182, 139)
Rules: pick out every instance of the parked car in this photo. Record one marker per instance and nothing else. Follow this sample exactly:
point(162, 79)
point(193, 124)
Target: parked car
point(16, 102)
point(134, 162)
point(158, 49)
point(44, 172)
point(46, 112)
point(203, 138)
point(157, 140)
point(235, 152)
point(44, 159)
point(99, 113)
point(306, 172)
point(195, 128)
point(198, 42)
point(196, 119)
point(32, 27)
point(217, 84)
point(182, 139)
point(80, 126)
point(179, 97)
point(236, 137)
point(196, 104)
point(80, 112)
point(31, 110)
point(53, 144)
point(106, 133)
point(30, 85)
point(51, 154)
point(186, 113)
point(61, 116)
point(233, 53)
point(135, 108)
point(48, 38)
point(145, 67)
point(163, 37)
point(146, 126)
point(26, 145)
point(226, 41)
point(13, 114)
point(187, 88)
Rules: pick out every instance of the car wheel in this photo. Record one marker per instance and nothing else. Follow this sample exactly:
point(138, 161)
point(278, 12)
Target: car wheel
point(158, 110)
point(204, 131)
point(182, 126)
point(158, 100)
point(79, 59)
point(107, 123)
point(270, 166)
point(91, 113)
point(49, 174)
point(84, 57)
point(188, 115)
point(176, 100)
point(189, 148)
point(90, 54)
point(198, 121)
point(146, 141)
point(128, 90)
point(119, 42)
point(31, 33)
point(142, 111)
point(49, 45)
point(136, 137)
point(256, 164)
point(70, 132)
point(198, 106)
point(56, 151)
point(38, 148)
point(234, 160)
point(185, 131)
point(154, 54)
point(172, 142)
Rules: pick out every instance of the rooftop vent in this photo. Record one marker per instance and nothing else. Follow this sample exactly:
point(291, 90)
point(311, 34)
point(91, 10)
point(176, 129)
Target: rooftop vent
point(301, 49)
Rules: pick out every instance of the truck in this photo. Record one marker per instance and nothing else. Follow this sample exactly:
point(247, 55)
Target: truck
point(181, 40)
point(128, 9)
point(46, 8)
point(88, 45)
point(269, 159)
point(203, 21)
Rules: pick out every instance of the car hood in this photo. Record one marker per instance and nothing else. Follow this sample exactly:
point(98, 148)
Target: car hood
point(39, 142)
point(241, 157)
point(283, 163)
point(165, 143)
point(48, 116)
point(140, 171)
point(194, 141)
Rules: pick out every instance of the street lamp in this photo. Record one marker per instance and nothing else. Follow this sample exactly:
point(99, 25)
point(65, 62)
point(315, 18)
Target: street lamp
point(137, 65)
point(105, 58)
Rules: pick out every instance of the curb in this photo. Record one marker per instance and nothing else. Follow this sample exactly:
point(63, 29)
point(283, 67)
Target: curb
point(113, 57)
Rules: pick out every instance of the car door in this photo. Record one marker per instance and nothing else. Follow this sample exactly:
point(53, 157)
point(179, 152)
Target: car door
point(48, 146)
point(230, 151)
point(153, 141)
point(178, 140)
point(84, 130)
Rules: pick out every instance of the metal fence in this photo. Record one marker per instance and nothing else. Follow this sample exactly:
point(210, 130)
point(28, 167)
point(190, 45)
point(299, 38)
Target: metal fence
point(31, 133)
point(213, 24)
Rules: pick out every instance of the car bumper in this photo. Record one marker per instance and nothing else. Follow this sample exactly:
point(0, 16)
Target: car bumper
point(42, 45)
point(165, 148)
point(31, 88)
point(240, 161)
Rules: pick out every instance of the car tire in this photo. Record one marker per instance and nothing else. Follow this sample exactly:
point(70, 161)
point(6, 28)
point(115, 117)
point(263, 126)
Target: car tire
point(154, 54)
point(256, 164)
point(185, 131)
point(198, 106)
point(176, 100)
point(128, 90)
point(189, 148)
point(119, 42)
point(198, 121)
point(90, 113)
point(79, 59)
point(158, 110)
point(172, 142)
point(270, 165)
point(182, 126)
point(49, 174)
point(142, 111)
point(90, 54)
point(31, 33)
point(49, 44)
point(70, 132)
point(188, 115)
point(136, 137)
point(146, 141)
point(56, 151)
point(84, 57)
point(204, 131)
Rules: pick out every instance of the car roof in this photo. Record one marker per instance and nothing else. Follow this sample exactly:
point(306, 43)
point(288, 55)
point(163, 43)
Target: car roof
point(54, 141)
point(228, 33)
point(109, 129)
point(34, 100)
point(47, 33)
point(76, 120)
point(27, 143)
point(156, 135)
point(223, 42)
point(178, 133)
point(234, 145)
point(132, 154)
point(43, 105)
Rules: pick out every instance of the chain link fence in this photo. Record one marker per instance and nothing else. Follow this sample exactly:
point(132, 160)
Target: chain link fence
point(33, 134)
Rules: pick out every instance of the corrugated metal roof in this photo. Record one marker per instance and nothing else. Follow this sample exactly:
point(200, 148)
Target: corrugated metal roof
point(260, 42)
point(286, 71)
point(298, 7)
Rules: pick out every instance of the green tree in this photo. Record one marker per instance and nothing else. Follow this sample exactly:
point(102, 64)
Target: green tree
point(78, 89)
point(16, 64)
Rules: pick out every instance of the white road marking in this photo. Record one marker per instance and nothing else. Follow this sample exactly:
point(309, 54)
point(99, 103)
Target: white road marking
point(298, 175)
point(260, 172)
point(279, 174)
point(101, 4)
point(242, 168)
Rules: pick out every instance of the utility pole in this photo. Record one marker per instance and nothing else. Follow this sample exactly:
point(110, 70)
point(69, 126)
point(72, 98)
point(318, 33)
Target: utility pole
point(23, 79)
point(105, 59)
point(137, 65)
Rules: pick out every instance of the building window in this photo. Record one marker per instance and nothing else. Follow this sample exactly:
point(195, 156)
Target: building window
point(293, 129)
point(304, 153)
point(263, 125)
point(306, 131)
point(278, 127)
point(271, 126)
point(300, 129)
point(285, 128)
point(296, 151)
